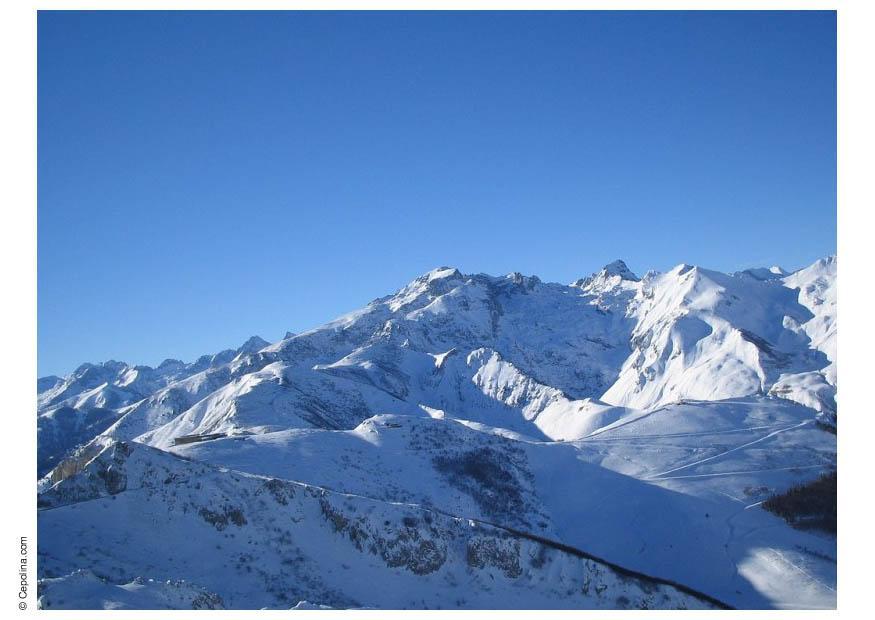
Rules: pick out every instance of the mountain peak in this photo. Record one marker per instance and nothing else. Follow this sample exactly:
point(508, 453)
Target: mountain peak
point(519, 279)
point(255, 343)
point(441, 273)
point(763, 273)
point(434, 281)
point(170, 362)
point(619, 268)
point(826, 261)
point(615, 269)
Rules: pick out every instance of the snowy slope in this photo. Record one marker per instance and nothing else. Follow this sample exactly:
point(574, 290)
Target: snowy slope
point(817, 292)
point(551, 489)
point(639, 420)
point(240, 541)
point(704, 335)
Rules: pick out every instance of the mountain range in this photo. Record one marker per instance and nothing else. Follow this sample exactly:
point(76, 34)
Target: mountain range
point(470, 441)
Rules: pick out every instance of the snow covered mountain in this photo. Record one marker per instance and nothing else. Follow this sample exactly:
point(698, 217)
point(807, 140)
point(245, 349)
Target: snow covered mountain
point(470, 441)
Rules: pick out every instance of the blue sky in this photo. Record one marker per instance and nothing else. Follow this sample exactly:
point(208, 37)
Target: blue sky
point(203, 177)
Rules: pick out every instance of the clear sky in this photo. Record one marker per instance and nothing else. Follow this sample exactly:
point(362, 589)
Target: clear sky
point(204, 177)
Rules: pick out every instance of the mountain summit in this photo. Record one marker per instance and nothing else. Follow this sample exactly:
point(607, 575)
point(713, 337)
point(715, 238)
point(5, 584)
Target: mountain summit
point(619, 268)
point(611, 274)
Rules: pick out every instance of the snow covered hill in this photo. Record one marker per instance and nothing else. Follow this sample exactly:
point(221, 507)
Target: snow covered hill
point(264, 542)
point(634, 424)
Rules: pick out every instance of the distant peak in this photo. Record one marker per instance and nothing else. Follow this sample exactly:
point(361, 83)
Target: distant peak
point(170, 362)
point(109, 365)
point(517, 278)
point(255, 343)
point(434, 278)
point(826, 261)
point(763, 274)
point(442, 273)
point(615, 269)
point(619, 268)
point(825, 265)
